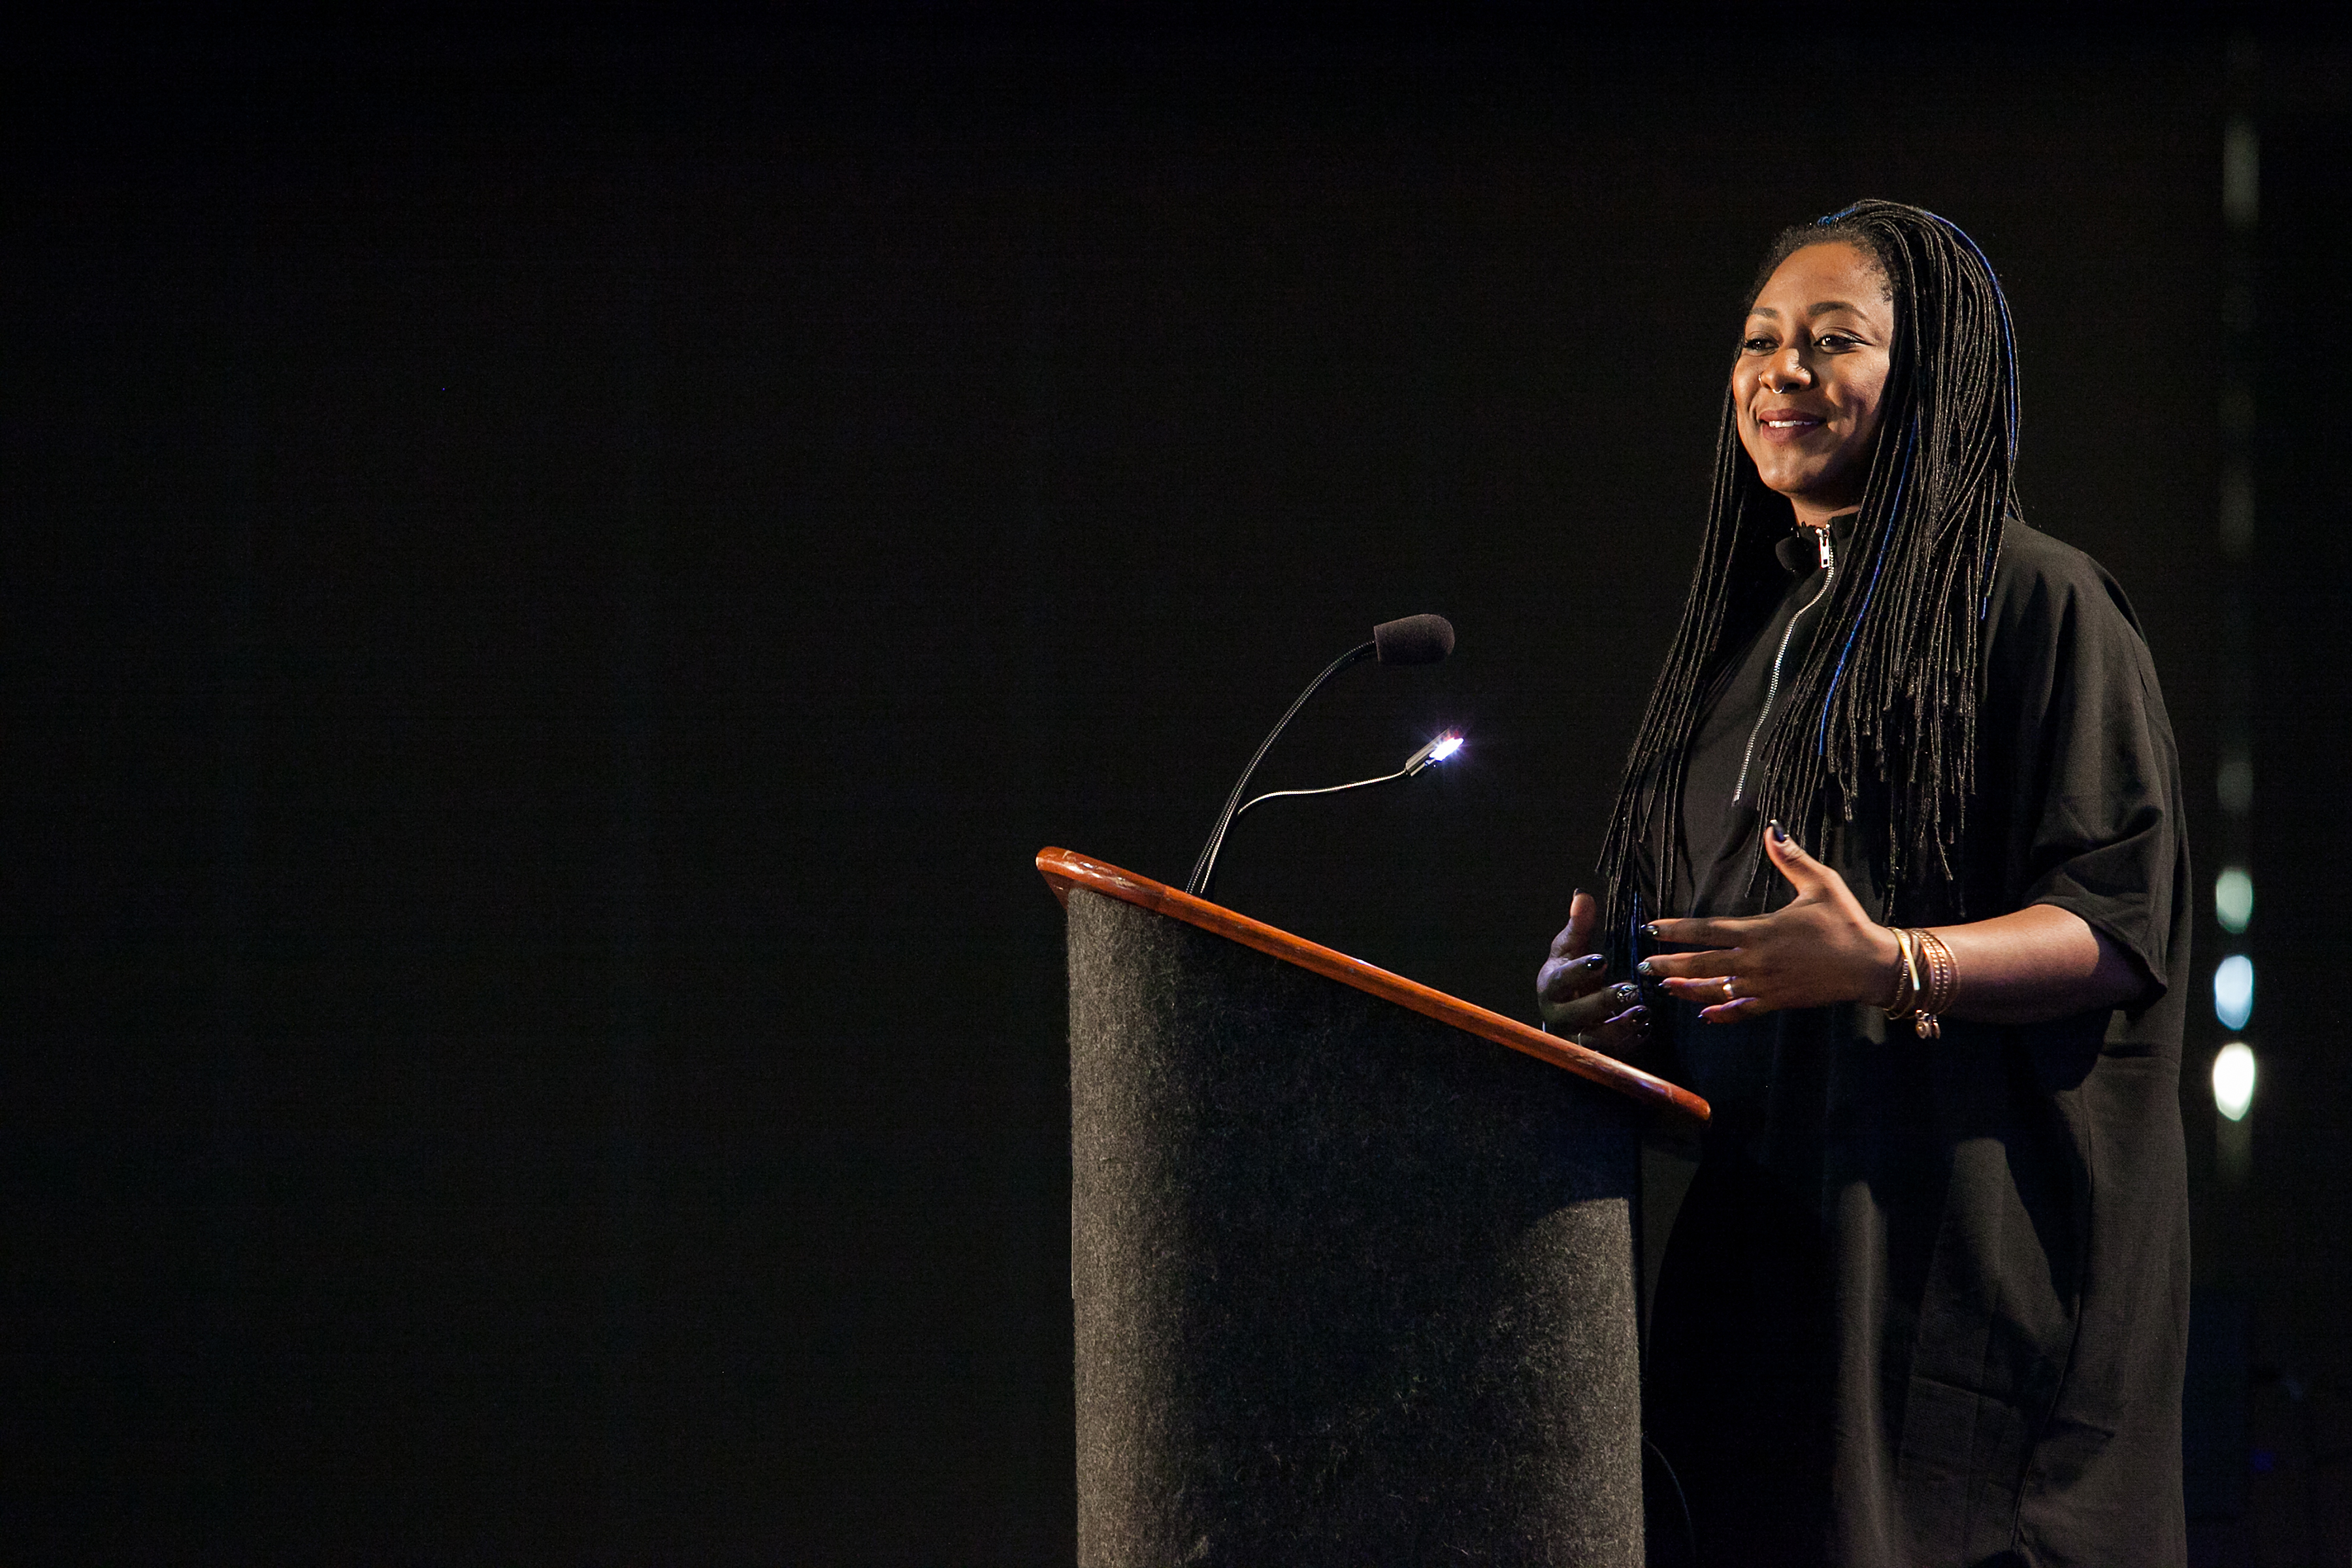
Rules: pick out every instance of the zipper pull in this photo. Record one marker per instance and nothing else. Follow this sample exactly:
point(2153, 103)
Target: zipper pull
point(1829, 557)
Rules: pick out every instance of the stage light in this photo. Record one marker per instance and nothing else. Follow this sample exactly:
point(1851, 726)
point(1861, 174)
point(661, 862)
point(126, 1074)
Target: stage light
point(2233, 990)
point(2233, 899)
point(2233, 1079)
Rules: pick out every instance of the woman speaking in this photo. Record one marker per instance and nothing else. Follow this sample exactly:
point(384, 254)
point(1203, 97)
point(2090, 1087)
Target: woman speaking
point(1898, 879)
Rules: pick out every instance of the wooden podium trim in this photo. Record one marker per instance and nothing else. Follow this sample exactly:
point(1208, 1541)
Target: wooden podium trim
point(1064, 870)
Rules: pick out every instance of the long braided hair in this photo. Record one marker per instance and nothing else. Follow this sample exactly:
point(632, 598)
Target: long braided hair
point(1885, 702)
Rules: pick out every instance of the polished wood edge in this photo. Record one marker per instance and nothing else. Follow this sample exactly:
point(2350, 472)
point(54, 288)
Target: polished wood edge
point(1064, 870)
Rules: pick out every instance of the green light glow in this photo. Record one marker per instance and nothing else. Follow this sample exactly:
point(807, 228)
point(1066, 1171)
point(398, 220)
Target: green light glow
point(2233, 899)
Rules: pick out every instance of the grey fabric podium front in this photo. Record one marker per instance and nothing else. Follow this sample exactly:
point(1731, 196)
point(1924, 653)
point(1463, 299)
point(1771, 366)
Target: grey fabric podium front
point(1352, 1261)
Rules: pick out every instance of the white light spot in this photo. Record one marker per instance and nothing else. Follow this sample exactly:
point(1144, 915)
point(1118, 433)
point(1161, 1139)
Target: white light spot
point(2233, 899)
point(2233, 1079)
point(1444, 748)
point(2233, 990)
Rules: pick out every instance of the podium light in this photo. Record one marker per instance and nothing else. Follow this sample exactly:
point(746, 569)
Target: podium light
point(1434, 751)
point(1437, 751)
point(2233, 1079)
point(2233, 990)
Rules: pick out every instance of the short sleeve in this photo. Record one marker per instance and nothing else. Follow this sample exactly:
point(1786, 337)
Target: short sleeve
point(2078, 749)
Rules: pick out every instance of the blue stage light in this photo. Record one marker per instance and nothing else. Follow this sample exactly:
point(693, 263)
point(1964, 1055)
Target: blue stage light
point(2233, 990)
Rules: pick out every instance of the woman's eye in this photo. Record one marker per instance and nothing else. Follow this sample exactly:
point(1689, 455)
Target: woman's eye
point(1756, 345)
point(1835, 342)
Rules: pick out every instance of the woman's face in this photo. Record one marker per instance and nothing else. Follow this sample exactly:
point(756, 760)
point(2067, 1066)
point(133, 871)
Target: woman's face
point(1811, 374)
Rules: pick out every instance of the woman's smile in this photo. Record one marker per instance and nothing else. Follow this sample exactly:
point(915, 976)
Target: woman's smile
point(1789, 424)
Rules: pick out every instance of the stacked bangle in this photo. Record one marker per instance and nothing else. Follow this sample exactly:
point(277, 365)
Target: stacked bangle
point(1925, 982)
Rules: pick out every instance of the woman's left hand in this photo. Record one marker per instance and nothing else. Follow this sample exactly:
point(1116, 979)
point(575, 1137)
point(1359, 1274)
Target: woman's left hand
point(1818, 949)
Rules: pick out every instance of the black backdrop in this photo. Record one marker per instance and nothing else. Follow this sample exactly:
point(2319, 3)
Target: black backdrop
point(555, 582)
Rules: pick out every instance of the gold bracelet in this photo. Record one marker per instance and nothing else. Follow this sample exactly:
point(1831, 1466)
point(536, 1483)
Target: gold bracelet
point(1926, 982)
point(1915, 986)
point(1935, 986)
point(1893, 1006)
point(1944, 976)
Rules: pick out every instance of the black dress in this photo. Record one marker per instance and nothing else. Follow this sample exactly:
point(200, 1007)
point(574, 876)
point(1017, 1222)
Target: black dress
point(1927, 1301)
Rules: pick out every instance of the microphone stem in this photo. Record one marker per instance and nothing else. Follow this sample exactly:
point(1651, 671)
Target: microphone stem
point(1206, 866)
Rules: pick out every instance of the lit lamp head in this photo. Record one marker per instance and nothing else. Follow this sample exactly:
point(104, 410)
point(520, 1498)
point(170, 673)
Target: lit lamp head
point(1437, 751)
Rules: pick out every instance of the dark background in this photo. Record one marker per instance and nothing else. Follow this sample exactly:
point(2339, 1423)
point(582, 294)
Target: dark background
point(555, 580)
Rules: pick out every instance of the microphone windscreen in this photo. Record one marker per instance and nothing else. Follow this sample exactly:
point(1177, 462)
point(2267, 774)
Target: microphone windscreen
point(1416, 639)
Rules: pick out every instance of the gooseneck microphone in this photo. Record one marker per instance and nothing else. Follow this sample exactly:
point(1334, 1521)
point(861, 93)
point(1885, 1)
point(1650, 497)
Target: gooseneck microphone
point(1414, 639)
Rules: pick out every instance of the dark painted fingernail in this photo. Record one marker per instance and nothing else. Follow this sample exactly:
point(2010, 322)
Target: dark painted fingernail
point(1650, 929)
point(1575, 895)
point(1780, 834)
point(1640, 1014)
point(1592, 960)
point(1645, 970)
point(1626, 990)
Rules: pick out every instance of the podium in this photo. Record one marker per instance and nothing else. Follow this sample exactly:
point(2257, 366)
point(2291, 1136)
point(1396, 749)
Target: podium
point(1352, 1261)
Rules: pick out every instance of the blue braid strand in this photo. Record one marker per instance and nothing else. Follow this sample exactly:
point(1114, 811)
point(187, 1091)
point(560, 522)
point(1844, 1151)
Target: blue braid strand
point(2008, 336)
point(1878, 568)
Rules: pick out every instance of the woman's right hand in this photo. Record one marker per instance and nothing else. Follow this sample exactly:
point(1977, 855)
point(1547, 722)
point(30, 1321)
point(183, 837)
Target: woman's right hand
point(1569, 993)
